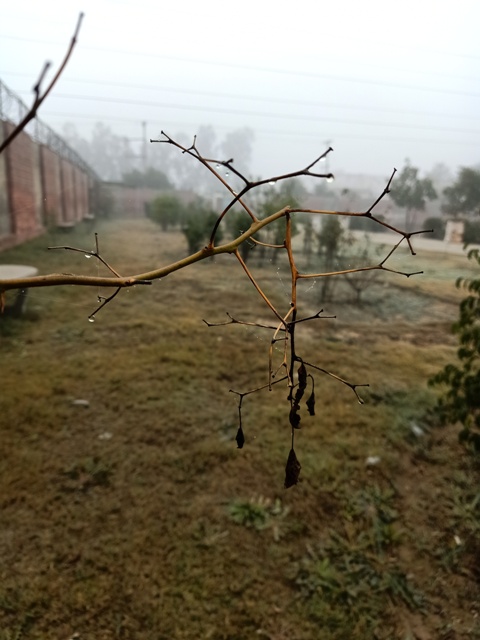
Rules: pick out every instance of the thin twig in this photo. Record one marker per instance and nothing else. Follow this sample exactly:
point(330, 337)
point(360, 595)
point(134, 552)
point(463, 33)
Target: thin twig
point(257, 286)
point(39, 97)
point(87, 253)
point(353, 387)
point(264, 386)
point(382, 195)
point(242, 322)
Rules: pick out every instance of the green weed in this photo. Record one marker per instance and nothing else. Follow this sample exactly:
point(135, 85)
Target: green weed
point(85, 475)
point(353, 580)
point(259, 513)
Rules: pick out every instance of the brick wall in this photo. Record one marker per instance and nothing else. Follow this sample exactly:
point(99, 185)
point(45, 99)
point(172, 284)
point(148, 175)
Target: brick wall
point(38, 189)
point(5, 218)
point(81, 193)
point(22, 163)
point(52, 187)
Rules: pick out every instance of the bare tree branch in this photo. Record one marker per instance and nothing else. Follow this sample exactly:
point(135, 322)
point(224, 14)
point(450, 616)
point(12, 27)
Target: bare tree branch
point(39, 97)
point(285, 324)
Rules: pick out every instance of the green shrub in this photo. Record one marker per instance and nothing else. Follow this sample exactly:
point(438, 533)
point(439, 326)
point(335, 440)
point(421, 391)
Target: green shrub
point(167, 210)
point(438, 225)
point(198, 226)
point(366, 224)
point(461, 402)
point(471, 234)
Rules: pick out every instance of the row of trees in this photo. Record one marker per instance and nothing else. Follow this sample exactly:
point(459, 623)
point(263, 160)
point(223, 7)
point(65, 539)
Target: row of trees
point(196, 218)
point(114, 158)
point(409, 191)
point(328, 247)
point(461, 198)
point(118, 158)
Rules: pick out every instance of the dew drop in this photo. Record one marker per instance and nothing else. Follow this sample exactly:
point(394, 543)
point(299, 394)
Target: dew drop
point(91, 319)
point(272, 182)
point(217, 166)
point(330, 178)
point(88, 255)
point(226, 174)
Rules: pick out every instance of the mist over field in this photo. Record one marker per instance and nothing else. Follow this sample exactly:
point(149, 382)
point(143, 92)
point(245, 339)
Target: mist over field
point(258, 416)
point(380, 83)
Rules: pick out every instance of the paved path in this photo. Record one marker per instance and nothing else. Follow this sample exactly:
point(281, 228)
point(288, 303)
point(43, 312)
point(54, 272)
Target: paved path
point(422, 242)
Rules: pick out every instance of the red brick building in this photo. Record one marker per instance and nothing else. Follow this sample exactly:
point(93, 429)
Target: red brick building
point(40, 187)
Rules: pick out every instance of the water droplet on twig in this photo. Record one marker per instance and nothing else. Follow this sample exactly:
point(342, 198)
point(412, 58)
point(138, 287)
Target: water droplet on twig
point(91, 319)
point(88, 255)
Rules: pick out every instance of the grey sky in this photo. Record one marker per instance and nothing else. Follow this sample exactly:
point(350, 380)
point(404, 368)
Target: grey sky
point(381, 81)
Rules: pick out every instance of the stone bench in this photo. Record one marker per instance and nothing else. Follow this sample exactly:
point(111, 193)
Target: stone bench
point(14, 272)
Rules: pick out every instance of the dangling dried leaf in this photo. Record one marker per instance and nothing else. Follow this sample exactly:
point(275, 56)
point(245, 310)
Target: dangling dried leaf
point(294, 417)
point(292, 470)
point(311, 404)
point(2, 301)
point(298, 397)
point(302, 377)
point(240, 438)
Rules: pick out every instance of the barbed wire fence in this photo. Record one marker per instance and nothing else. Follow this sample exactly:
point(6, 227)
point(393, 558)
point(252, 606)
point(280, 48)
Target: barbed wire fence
point(13, 110)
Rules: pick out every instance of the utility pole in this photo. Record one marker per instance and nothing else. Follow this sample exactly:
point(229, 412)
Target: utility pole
point(144, 146)
point(328, 144)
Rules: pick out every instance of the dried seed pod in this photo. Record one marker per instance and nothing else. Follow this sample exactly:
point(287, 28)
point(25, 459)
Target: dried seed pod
point(311, 404)
point(292, 470)
point(302, 376)
point(240, 438)
point(294, 417)
point(298, 397)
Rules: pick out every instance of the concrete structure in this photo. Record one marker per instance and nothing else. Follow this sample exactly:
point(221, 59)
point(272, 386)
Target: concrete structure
point(454, 231)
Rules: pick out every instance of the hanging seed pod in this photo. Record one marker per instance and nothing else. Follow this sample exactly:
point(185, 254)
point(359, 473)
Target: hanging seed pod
point(302, 377)
point(302, 385)
point(240, 438)
point(294, 417)
point(311, 404)
point(298, 397)
point(292, 470)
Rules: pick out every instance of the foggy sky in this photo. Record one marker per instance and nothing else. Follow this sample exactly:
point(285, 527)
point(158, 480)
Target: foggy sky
point(379, 81)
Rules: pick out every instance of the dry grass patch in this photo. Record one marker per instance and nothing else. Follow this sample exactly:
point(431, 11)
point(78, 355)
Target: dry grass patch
point(134, 516)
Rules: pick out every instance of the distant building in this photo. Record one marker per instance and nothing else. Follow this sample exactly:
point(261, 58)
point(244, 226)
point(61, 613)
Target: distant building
point(454, 231)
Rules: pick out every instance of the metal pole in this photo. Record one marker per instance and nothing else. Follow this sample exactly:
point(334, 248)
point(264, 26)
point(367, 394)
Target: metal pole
point(144, 146)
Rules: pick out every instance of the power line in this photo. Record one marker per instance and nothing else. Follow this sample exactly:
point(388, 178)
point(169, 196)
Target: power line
point(273, 132)
point(297, 73)
point(384, 44)
point(236, 96)
point(244, 112)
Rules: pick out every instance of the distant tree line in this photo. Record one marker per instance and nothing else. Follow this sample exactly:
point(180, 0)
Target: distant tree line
point(114, 158)
point(328, 246)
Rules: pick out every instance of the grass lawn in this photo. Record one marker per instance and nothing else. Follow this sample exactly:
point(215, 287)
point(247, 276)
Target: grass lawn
point(128, 512)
